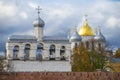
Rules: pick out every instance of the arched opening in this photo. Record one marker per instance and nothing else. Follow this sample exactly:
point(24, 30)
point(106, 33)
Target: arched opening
point(93, 47)
point(27, 51)
point(52, 52)
point(76, 44)
point(87, 44)
point(99, 46)
point(15, 52)
point(62, 53)
point(39, 51)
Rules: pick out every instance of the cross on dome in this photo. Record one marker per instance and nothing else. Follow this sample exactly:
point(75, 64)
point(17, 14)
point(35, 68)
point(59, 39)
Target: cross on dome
point(38, 10)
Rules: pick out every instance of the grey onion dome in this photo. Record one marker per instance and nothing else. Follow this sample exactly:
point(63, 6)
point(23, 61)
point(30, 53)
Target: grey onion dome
point(38, 22)
point(99, 36)
point(75, 37)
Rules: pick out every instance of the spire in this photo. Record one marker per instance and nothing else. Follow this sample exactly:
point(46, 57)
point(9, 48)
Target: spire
point(75, 37)
point(69, 34)
point(68, 31)
point(75, 29)
point(38, 10)
point(99, 35)
point(86, 17)
point(98, 30)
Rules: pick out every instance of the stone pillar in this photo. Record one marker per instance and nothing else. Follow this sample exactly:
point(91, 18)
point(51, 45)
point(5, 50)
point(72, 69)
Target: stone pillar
point(9, 48)
point(32, 55)
point(9, 54)
point(67, 54)
point(45, 54)
point(21, 54)
point(57, 54)
point(33, 49)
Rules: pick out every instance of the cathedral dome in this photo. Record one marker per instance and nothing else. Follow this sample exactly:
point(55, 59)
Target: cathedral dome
point(38, 22)
point(99, 36)
point(75, 37)
point(86, 30)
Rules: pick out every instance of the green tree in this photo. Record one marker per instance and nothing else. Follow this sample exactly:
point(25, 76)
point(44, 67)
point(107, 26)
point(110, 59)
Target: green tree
point(3, 65)
point(84, 59)
point(99, 60)
point(81, 59)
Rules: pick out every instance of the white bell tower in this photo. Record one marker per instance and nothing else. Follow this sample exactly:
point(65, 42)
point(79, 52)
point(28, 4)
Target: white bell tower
point(38, 26)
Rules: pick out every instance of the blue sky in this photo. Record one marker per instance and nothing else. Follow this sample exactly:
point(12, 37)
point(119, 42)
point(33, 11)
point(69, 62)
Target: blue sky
point(17, 16)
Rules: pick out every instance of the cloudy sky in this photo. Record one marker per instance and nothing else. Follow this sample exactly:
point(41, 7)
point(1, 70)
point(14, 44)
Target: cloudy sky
point(17, 16)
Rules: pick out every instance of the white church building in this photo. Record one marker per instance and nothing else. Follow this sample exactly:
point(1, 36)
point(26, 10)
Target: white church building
point(47, 53)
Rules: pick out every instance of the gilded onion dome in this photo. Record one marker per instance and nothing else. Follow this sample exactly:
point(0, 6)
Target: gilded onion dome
point(99, 36)
point(86, 30)
point(75, 37)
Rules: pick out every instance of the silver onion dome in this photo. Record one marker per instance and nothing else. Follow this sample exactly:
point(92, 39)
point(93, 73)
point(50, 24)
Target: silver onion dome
point(38, 22)
point(99, 36)
point(75, 37)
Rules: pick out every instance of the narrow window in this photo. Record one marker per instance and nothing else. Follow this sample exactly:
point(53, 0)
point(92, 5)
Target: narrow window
point(27, 51)
point(15, 52)
point(62, 53)
point(87, 44)
point(52, 52)
point(39, 51)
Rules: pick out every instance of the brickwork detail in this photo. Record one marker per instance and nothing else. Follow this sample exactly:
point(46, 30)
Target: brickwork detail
point(60, 76)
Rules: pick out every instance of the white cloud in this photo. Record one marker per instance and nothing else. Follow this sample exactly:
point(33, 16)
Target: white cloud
point(7, 9)
point(113, 22)
point(32, 5)
point(59, 12)
point(23, 15)
point(56, 16)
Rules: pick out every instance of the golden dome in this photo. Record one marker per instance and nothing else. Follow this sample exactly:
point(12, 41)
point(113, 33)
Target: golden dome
point(86, 30)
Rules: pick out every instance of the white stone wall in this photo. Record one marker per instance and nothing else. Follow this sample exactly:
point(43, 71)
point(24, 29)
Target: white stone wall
point(10, 47)
point(40, 66)
point(57, 52)
point(33, 49)
point(38, 32)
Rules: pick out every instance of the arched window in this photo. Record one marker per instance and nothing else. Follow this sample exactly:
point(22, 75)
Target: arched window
point(62, 52)
point(27, 51)
point(52, 52)
point(15, 52)
point(99, 46)
point(39, 51)
point(93, 47)
point(87, 44)
point(76, 44)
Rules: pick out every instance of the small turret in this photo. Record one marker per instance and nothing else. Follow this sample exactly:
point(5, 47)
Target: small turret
point(38, 26)
point(75, 38)
point(99, 36)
